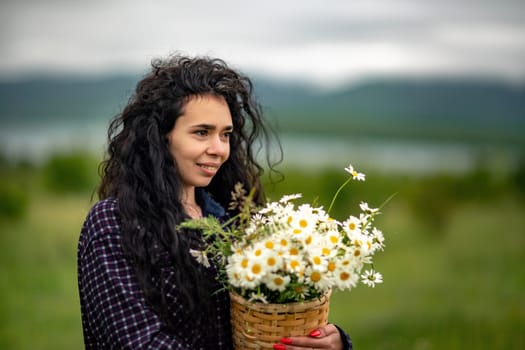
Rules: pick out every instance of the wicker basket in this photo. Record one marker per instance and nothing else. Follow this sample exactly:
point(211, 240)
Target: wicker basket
point(260, 326)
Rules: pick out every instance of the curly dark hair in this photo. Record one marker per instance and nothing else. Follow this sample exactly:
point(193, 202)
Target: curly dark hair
point(141, 174)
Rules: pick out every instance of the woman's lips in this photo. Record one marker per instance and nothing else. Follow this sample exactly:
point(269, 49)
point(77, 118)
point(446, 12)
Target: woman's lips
point(209, 168)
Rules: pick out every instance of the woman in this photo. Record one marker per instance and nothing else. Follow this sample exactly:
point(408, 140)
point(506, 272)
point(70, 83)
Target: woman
point(175, 152)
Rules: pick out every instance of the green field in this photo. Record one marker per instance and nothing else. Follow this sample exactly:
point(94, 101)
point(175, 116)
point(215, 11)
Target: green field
point(452, 266)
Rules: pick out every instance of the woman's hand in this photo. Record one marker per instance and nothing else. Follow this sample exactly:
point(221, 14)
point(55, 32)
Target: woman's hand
point(326, 337)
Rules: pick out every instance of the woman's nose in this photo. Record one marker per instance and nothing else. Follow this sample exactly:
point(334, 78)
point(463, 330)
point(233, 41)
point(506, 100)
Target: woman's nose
point(218, 147)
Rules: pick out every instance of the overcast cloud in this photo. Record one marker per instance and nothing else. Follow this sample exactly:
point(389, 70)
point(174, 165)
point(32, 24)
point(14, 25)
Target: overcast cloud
point(322, 41)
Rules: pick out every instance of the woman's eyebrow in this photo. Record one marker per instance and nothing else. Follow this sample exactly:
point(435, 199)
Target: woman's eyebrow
point(211, 127)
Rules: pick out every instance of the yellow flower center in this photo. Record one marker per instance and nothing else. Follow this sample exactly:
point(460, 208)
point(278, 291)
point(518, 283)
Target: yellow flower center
point(278, 281)
point(256, 269)
point(315, 276)
point(344, 276)
point(269, 245)
point(303, 223)
point(317, 260)
point(331, 266)
point(271, 261)
point(244, 263)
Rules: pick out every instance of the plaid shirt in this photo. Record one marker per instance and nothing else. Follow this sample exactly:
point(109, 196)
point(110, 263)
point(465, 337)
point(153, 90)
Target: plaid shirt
point(115, 314)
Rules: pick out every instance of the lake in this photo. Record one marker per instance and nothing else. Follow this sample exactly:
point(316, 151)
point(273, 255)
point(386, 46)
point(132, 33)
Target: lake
point(38, 140)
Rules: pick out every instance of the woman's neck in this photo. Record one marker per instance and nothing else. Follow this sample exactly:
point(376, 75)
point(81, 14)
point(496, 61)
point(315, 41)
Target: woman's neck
point(188, 196)
point(191, 207)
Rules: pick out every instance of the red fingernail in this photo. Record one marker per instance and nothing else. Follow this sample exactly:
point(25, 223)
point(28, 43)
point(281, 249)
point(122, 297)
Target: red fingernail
point(286, 341)
point(315, 333)
point(279, 347)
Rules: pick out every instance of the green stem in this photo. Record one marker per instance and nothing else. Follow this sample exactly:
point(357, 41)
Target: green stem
point(387, 200)
point(337, 193)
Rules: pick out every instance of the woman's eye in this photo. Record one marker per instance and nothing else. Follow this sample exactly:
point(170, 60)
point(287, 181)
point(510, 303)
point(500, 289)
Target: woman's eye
point(201, 132)
point(226, 136)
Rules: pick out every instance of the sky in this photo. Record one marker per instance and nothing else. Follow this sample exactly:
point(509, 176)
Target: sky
point(327, 42)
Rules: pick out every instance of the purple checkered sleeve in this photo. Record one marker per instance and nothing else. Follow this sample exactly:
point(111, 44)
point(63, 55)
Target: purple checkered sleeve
point(347, 342)
point(115, 314)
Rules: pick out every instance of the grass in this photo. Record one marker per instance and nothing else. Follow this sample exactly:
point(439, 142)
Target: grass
point(454, 283)
point(462, 290)
point(39, 298)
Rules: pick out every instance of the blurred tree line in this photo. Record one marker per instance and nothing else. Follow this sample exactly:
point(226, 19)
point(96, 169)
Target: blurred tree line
point(61, 174)
point(431, 197)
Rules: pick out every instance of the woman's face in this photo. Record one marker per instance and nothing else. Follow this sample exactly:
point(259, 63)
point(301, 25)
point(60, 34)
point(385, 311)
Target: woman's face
point(200, 140)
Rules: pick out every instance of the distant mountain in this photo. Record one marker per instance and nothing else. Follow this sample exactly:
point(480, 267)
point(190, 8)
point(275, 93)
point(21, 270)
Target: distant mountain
point(63, 98)
point(476, 111)
point(439, 109)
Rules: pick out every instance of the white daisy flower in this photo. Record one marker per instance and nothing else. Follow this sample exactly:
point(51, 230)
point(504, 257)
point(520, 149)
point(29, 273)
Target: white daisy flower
point(349, 261)
point(294, 260)
point(256, 269)
point(259, 251)
point(318, 262)
point(311, 241)
point(331, 266)
point(371, 278)
point(333, 238)
point(378, 239)
point(322, 282)
point(364, 207)
point(301, 292)
point(360, 241)
point(248, 282)
point(352, 225)
point(355, 174)
point(235, 275)
point(257, 219)
point(282, 244)
point(301, 223)
point(276, 282)
point(345, 279)
point(272, 261)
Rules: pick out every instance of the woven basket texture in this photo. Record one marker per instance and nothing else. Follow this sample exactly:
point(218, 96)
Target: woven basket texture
point(260, 326)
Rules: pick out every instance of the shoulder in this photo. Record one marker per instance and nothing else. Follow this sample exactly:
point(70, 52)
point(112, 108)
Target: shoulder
point(102, 221)
point(104, 213)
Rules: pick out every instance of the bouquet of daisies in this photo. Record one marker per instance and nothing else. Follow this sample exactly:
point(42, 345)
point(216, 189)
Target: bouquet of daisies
point(287, 252)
